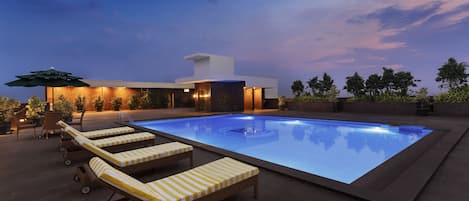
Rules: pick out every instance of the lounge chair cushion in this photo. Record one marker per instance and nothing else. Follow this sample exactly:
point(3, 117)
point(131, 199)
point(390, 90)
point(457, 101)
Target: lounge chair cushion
point(141, 155)
point(203, 180)
point(108, 132)
point(89, 145)
point(96, 133)
point(122, 181)
point(136, 156)
point(123, 139)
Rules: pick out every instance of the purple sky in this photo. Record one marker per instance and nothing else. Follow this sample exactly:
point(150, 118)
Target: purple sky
point(287, 40)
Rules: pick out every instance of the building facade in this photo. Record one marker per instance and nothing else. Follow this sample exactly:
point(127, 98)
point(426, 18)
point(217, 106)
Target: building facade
point(214, 87)
point(218, 89)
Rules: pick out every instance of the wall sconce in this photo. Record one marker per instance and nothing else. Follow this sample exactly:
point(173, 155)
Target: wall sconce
point(186, 90)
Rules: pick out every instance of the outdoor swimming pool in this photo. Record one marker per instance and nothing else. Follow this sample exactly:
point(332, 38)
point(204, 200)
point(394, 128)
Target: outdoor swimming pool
point(339, 150)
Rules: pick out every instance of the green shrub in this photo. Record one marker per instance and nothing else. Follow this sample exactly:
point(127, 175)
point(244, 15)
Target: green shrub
point(384, 98)
point(35, 108)
point(7, 108)
point(393, 98)
point(64, 106)
point(133, 102)
point(282, 103)
point(99, 104)
point(116, 103)
point(460, 95)
point(80, 103)
point(145, 100)
point(329, 96)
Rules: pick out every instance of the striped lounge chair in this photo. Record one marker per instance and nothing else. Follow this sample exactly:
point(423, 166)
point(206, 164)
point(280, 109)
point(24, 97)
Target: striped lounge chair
point(65, 141)
point(131, 161)
point(216, 180)
point(112, 144)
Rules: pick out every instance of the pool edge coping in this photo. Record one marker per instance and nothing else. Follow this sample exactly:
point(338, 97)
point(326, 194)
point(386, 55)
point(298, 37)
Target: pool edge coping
point(347, 189)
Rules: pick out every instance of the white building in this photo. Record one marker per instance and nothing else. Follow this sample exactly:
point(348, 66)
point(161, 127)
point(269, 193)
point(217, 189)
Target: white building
point(219, 70)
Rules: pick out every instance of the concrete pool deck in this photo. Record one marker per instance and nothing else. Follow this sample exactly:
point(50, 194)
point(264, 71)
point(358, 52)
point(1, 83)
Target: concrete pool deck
point(33, 169)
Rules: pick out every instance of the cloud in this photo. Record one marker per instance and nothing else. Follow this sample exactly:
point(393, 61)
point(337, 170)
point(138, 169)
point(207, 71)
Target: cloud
point(313, 34)
point(345, 60)
point(395, 67)
point(457, 18)
point(302, 34)
point(445, 7)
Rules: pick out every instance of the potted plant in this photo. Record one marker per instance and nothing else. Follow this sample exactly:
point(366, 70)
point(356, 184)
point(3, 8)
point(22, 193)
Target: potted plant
point(35, 109)
point(145, 100)
point(7, 107)
point(423, 102)
point(281, 103)
point(64, 106)
point(98, 104)
point(116, 103)
point(80, 102)
point(133, 102)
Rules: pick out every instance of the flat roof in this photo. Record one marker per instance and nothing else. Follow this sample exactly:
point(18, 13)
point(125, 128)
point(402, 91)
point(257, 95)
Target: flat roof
point(131, 84)
point(199, 56)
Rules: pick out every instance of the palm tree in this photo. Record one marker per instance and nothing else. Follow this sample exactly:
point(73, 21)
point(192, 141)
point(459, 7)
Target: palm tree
point(452, 74)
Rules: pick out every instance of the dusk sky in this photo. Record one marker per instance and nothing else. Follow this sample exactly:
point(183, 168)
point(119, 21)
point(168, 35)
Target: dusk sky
point(286, 40)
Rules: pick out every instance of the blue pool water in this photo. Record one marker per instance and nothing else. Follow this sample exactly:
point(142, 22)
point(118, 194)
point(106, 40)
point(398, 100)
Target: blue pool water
point(338, 150)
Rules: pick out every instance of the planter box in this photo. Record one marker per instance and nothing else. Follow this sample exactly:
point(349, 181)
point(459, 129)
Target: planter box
point(451, 109)
point(380, 108)
point(312, 106)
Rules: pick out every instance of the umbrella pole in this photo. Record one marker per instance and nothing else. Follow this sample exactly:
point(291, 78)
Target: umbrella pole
point(52, 106)
point(45, 94)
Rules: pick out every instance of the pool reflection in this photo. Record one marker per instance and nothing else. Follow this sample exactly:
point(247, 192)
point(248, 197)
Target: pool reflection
point(343, 151)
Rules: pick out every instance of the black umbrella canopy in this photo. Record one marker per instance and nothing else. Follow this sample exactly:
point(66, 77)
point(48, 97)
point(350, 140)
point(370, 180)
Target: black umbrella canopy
point(48, 78)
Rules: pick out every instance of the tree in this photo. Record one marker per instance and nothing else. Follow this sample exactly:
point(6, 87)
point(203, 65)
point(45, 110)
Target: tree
point(326, 84)
point(314, 85)
point(320, 87)
point(355, 85)
point(332, 93)
point(387, 79)
point(373, 84)
point(402, 81)
point(297, 88)
point(452, 74)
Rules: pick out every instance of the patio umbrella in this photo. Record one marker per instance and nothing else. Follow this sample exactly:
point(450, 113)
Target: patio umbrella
point(48, 78)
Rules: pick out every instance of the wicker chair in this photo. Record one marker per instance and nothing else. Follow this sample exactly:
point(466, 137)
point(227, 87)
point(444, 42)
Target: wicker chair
point(20, 123)
point(79, 123)
point(50, 123)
